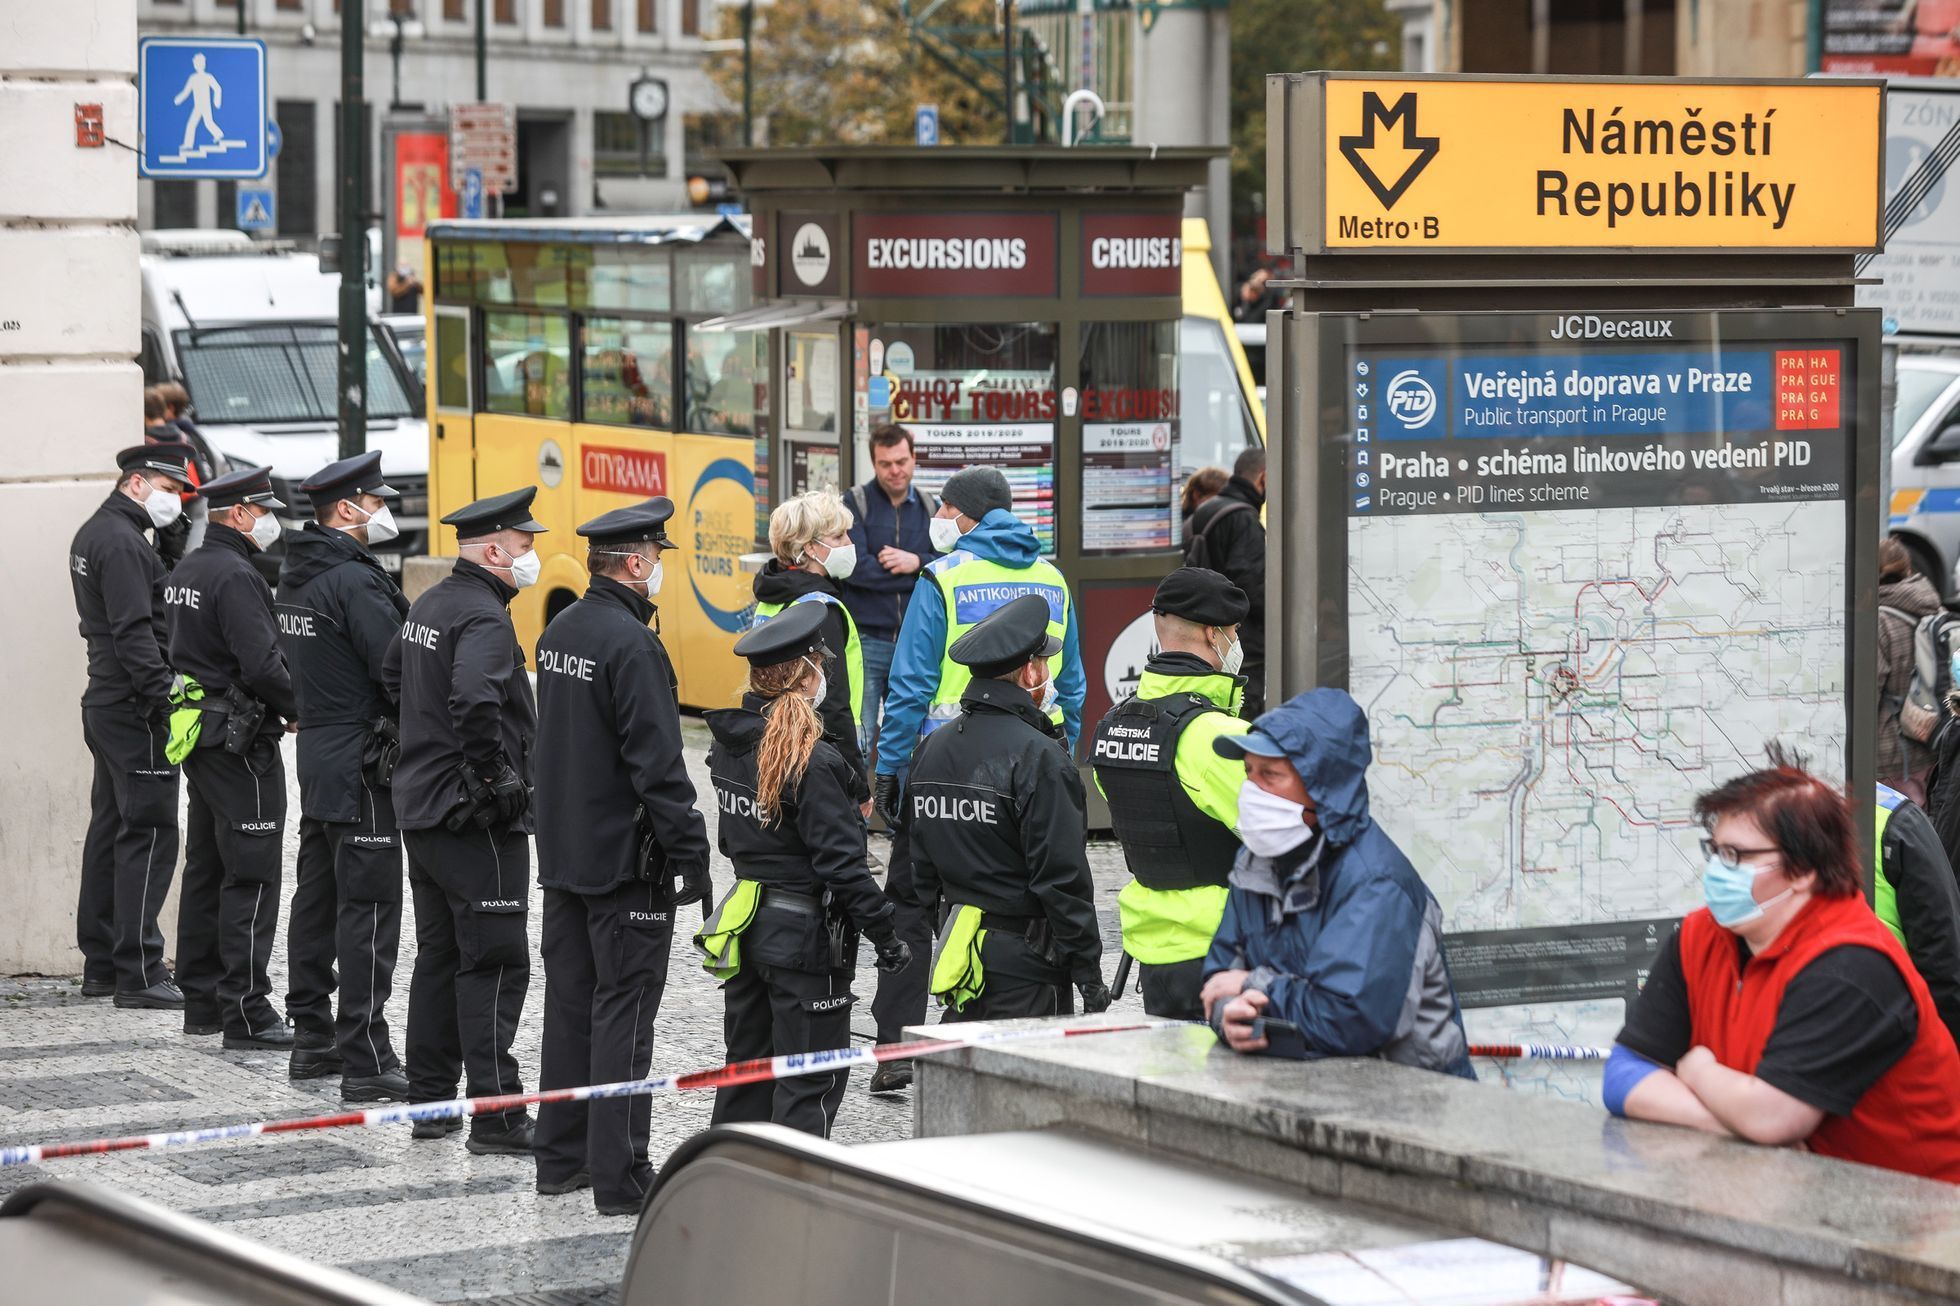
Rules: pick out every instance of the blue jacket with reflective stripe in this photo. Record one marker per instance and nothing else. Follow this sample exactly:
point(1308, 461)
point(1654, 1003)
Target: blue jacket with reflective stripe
point(1000, 537)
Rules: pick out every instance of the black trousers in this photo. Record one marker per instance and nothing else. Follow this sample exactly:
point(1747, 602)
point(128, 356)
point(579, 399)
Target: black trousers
point(1170, 992)
point(129, 855)
point(775, 1010)
point(605, 969)
point(1018, 983)
point(347, 908)
point(229, 906)
point(900, 999)
point(472, 895)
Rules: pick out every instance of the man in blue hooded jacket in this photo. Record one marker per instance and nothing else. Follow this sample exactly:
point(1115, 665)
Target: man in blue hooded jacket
point(991, 558)
point(1331, 945)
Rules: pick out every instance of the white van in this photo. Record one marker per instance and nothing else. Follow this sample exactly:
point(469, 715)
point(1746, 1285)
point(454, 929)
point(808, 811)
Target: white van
point(1926, 463)
point(249, 329)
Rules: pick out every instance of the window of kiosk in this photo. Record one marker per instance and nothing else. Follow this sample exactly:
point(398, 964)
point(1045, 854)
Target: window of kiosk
point(1130, 454)
point(812, 388)
point(527, 364)
point(626, 372)
point(1214, 423)
point(724, 383)
point(452, 359)
point(978, 393)
point(633, 278)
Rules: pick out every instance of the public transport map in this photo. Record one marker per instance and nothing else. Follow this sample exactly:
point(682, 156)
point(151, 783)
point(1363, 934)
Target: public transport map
point(1584, 586)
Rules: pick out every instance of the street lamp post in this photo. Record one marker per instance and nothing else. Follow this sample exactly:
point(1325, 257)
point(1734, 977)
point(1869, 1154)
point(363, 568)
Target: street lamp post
point(353, 231)
point(482, 54)
point(748, 73)
point(397, 27)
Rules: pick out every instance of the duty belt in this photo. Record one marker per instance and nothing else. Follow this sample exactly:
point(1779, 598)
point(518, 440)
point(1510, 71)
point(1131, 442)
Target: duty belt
point(1021, 925)
point(809, 904)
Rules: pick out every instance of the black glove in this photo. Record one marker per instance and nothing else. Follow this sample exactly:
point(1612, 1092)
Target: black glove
point(1095, 996)
point(894, 955)
point(696, 885)
point(886, 801)
point(510, 797)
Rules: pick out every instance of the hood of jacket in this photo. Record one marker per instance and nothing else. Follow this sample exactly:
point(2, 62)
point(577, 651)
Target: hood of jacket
point(776, 583)
point(1325, 736)
point(314, 549)
point(738, 729)
point(1004, 538)
point(1914, 594)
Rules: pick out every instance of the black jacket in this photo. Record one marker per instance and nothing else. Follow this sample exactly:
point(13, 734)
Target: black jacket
point(609, 743)
point(814, 843)
point(458, 672)
point(995, 810)
point(118, 580)
point(1237, 547)
point(338, 612)
point(1928, 900)
point(785, 585)
point(222, 631)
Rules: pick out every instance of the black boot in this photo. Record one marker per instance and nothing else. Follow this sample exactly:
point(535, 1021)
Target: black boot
point(314, 1056)
point(388, 1086)
point(495, 1139)
point(162, 995)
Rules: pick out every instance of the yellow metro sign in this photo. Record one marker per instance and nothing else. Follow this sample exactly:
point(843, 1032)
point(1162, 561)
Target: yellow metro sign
point(1449, 164)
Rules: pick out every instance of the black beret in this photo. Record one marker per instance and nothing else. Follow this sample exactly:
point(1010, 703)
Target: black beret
point(1205, 597)
point(1007, 637)
point(500, 512)
point(349, 477)
point(248, 485)
point(792, 633)
point(639, 521)
point(166, 456)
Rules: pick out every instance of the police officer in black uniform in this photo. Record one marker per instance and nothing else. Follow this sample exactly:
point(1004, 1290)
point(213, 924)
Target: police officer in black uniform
point(999, 838)
point(338, 611)
point(617, 827)
point(1173, 800)
point(224, 638)
point(130, 852)
point(784, 940)
point(463, 800)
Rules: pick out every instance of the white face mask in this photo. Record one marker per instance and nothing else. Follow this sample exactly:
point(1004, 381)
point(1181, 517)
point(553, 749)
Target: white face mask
point(651, 585)
point(265, 531)
point(1269, 825)
point(524, 570)
point(380, 523)
point(823, 682)
point(1232, 658)
point(1046, 697)
point(163, 506)
point(945, 533)
point(841, 561)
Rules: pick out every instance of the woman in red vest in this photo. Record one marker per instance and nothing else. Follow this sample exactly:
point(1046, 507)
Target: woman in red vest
point(1783, 1012)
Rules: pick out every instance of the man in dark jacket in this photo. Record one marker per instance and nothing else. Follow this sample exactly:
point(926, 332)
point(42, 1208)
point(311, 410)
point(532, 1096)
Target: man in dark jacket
point(1234, 542)
point(338, 612)
point(130, 852)
point(995, 815)
point(891, 527)
point(224, 638)
point(1917, 898)
point(463, 799)
point(617, 826)
point(1331, 945)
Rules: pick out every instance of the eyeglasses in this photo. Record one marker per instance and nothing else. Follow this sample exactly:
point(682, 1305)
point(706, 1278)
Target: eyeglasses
point(1731, 854)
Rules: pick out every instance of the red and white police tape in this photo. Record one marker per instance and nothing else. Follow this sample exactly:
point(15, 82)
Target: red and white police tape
point(761, 1070)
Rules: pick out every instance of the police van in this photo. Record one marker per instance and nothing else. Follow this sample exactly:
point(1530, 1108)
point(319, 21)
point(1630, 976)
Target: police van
point(250, 330)
point(1925, 509)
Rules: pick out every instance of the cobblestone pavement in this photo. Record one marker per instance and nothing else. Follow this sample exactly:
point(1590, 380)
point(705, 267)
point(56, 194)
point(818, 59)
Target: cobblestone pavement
point(427, 1218)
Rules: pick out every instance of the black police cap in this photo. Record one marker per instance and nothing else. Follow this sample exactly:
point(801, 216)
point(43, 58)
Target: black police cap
point(640, 521)
point(500, 512)
point(1007, 637)
point(168, 457)
point(794, 632)
point(349, 478)
point(249, 485)
point(1203, 596)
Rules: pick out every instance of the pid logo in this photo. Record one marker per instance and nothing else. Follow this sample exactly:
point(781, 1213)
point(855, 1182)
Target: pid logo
point(1410, 399)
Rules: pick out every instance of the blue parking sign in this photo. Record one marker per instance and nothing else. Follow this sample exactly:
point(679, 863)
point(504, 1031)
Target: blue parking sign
point(925, 124)
point(203, 106)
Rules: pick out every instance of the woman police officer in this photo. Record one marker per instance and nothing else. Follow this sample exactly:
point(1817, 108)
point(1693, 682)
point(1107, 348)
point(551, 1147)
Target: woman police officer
point(784, 940)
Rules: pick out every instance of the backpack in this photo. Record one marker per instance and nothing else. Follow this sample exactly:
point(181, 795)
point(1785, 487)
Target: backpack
point(1923, 709)
point(855, 496)
point(1197, 549)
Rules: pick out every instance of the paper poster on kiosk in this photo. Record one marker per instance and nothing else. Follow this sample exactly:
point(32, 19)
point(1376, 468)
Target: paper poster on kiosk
point(1592, 565)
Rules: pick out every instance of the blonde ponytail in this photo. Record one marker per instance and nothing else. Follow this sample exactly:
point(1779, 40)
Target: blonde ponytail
point(790, 737)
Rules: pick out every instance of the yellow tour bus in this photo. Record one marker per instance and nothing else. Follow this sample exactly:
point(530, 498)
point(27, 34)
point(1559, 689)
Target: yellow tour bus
point(570, 354)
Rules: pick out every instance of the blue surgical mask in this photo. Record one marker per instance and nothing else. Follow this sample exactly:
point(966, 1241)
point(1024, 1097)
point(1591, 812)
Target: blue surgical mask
point(1729, 891)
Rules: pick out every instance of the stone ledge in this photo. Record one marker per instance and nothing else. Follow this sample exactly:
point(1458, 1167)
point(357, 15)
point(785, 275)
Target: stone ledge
point(1697, 1212)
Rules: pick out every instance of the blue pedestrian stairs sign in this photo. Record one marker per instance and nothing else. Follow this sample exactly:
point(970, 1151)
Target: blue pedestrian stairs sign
point(203, 107)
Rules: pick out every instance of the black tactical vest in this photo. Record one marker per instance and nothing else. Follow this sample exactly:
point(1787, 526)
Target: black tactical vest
point(1167, 841)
